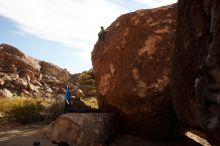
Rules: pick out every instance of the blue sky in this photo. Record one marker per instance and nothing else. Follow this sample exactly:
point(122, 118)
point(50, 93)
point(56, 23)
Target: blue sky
point(62, 32)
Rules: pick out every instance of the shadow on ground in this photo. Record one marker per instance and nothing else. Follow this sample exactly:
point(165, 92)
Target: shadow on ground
point(25, 135)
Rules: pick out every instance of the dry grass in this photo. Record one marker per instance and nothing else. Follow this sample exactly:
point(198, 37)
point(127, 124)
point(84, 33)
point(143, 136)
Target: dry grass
point(24, 109)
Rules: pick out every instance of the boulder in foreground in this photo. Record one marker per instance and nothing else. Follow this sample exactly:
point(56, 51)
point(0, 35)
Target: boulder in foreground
point(82, 128)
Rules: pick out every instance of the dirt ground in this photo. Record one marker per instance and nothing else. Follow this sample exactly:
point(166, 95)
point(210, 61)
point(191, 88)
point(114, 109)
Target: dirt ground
point(14, 134)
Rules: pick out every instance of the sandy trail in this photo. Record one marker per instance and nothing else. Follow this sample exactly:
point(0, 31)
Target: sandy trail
point(22, 135)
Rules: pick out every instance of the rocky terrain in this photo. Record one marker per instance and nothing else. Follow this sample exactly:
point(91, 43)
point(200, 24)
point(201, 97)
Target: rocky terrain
point(132, 69)
point(157, 71)
point(24, 75)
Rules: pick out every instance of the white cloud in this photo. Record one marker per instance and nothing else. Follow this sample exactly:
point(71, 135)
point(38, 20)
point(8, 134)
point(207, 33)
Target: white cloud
point(72, 22)
point(156, 3)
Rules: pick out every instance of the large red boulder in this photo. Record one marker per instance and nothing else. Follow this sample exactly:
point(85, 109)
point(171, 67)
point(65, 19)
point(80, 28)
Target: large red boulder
point(196, 68)
point(132, 70)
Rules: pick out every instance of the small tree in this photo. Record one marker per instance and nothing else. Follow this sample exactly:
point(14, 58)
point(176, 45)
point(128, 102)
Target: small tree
point(86, 82)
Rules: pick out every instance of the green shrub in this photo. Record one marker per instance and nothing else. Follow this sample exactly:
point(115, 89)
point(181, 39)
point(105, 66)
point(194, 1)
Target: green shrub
point(86, 82)
point(91, 102)
point(24, 109)
point(54, 108)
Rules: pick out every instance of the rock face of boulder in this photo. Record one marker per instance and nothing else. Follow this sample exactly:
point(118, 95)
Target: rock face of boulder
point(83, 129)
point(196, 68)
point(21, 74)
point(132, 70)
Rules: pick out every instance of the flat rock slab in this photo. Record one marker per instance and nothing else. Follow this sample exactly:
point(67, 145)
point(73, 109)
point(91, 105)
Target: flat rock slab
point(82, 128)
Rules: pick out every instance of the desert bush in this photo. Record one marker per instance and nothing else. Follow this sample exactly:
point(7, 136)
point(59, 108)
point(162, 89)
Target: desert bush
point(22, 109)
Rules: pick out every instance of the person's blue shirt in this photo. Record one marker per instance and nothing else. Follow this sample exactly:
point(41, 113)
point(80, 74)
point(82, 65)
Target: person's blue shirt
point(68, 95)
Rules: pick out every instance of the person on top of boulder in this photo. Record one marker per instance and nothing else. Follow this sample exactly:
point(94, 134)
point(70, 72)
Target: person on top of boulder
point(67, 101)
point(101, 34)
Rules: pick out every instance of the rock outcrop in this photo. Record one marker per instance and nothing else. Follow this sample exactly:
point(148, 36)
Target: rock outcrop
point(50, 69)
point(132, 70)
point(5, 93)
point(196, 68)
point(23, 75)
point(82, 129)
point(12, 61)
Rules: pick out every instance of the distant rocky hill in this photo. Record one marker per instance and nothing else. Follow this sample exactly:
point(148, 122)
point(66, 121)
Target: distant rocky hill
point(24, 75)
